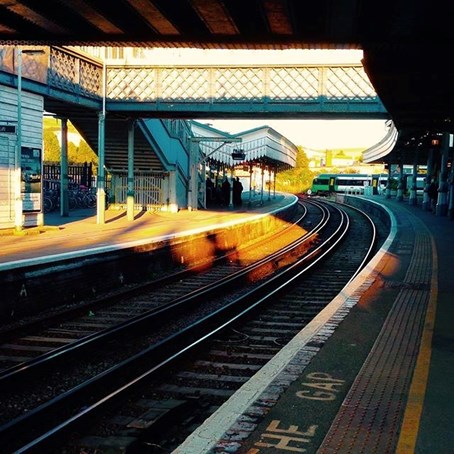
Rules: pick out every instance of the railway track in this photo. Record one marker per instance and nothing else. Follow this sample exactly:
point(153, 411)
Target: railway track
point(26, 341)
point(255, 342)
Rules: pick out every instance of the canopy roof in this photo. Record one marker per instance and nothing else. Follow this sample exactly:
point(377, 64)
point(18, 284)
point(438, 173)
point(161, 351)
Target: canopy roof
point(262, 145)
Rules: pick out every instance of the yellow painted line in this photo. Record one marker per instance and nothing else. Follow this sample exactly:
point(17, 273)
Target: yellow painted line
point(413, 409)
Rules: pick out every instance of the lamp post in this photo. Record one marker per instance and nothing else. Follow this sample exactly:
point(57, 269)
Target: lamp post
point(18, 204)
point(100, 179)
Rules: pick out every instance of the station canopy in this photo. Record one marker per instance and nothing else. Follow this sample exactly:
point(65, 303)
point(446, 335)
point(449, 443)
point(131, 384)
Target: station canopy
point(261, 146)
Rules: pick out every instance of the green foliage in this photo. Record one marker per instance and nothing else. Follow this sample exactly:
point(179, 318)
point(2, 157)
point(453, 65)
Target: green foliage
point(298, 179)
point(51, 146)
point(76, 154)
point(51, 124)
point(86, 154)
point(302, 161)
point(72, 153)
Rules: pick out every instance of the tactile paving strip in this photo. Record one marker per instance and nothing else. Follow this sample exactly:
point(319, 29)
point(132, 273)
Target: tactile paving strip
point(370, 417)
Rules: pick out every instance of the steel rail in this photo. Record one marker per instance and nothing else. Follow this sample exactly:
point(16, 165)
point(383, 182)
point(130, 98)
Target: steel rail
point(158, 355)
point(19, 373)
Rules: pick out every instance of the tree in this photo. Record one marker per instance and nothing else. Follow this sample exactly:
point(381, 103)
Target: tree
point(52, 149)
point(86, 154)
point(302, 160)
point(72, 153)
point(298, 179)
point(51, 146)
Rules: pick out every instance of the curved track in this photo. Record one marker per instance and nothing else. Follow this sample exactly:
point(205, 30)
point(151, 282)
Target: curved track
point(27, 344)
point(200, 324)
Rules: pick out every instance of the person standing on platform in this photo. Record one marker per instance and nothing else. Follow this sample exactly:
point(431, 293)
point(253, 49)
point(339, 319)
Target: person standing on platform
point(210, 192)
point(225, 192)
point(237, 190)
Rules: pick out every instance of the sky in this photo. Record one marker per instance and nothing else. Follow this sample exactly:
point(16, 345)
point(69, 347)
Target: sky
point(314, 134)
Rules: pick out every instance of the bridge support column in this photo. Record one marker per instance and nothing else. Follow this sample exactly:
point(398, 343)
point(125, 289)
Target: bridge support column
point(172, 192)
point(203, 187)
point(192, 176)
point(100, 180)
point(64, 194)
point(442, 201)
point(131, 193)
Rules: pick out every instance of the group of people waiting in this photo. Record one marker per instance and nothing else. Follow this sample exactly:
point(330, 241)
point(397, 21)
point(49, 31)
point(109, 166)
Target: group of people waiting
point(219, 194)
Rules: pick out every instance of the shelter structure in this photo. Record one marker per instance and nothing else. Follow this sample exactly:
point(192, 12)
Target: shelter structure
point(254, 156)
point(416, 163)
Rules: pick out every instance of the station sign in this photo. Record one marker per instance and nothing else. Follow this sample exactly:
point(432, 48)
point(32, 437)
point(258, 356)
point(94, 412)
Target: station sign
point(9, 129)
point(238, 155)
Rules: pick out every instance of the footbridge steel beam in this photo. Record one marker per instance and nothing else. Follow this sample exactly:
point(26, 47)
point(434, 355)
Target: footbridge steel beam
point(66, 78)
point(315, 91)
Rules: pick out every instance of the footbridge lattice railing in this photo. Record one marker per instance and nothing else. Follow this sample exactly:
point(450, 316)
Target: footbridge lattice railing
point(215, 89)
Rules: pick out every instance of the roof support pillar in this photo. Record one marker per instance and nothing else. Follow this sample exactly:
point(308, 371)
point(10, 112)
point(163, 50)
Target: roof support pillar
point(131, 193)
point(442, 201)
point(413, 199)
point(64, 193)
point(232, 178)
point(262, 167)
point(426, 202)
point(203, 191)
point(451, 184)
point(388, 183)
point(251, 172)
point(191, 176)
point(269, 183)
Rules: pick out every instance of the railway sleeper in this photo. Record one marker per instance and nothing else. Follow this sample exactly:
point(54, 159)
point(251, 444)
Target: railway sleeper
point(139, 430)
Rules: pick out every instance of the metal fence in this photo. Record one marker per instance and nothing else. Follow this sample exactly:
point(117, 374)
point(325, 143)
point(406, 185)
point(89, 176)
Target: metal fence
point(150, 190)
point(81, 175)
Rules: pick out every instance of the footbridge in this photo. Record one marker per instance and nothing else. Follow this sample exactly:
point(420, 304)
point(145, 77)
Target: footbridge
point(71, 81)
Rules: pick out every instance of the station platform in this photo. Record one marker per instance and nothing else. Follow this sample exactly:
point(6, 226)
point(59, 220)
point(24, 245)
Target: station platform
point(74, 259)
point(79, 233)
point(371, 374)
